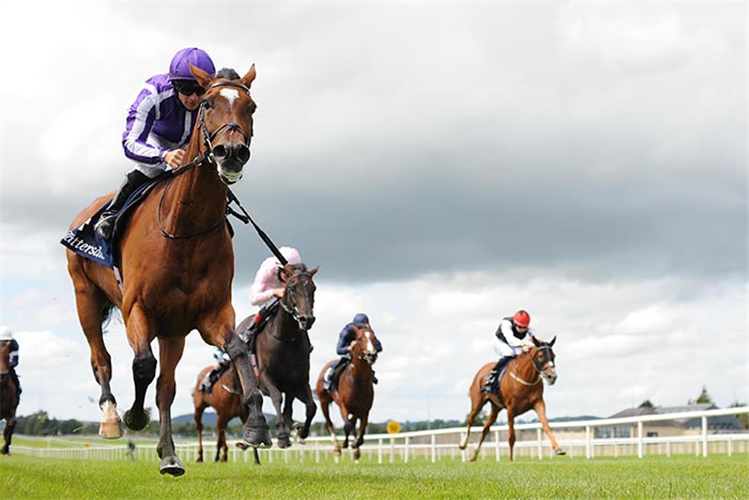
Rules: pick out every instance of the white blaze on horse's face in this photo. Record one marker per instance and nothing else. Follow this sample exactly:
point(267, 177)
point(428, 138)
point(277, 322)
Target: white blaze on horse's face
point(370, 342)
point(230, 94)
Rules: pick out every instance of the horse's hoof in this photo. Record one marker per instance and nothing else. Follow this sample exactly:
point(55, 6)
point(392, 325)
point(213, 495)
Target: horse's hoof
point(257, 436)
point(283, 440)
point(241, 445)
point(5, 451)
point(560, 451)
point(110, 429)
point(171, 466)
point(136, 422)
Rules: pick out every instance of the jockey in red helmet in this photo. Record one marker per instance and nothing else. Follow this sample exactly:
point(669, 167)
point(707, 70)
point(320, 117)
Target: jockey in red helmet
point(514, 335)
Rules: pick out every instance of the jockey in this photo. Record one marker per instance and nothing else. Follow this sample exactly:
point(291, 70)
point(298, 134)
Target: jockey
point(158, 126)
point(222, 361)
point(346, 341)
point(514, 337)
point(6, 335)
point(269, 286)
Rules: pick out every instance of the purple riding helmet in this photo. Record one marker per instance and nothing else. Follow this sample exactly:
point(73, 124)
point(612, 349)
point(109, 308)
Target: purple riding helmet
point(180, 70)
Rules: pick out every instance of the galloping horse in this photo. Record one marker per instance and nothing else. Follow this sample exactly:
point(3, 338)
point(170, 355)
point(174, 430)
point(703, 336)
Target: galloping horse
point(355, 391)
point(521, 389)
point(8, 396)
point(282, 351)
point(177, 266)
point(225, 399)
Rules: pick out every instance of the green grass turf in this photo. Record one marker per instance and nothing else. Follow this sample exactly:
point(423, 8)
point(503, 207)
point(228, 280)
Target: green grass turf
point(682, 477)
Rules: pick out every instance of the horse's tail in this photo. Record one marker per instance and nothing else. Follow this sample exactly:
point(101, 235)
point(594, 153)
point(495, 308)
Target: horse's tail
point(106, 316)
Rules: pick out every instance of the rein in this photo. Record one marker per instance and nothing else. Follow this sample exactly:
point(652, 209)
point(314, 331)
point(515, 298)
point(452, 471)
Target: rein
point(538, 372)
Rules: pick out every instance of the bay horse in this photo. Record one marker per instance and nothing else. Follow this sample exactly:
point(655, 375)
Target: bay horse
point(355, 390)
point(8, 396)
point(520, 389)
point(177, 267)
point(282, 351)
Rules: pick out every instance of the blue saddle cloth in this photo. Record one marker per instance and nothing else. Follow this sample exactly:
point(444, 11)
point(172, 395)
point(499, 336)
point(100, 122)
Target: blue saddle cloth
point(85, 241)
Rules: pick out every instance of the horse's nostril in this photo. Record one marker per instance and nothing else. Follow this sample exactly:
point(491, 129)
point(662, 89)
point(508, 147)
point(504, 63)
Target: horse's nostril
point(243, 155)
point(220, 151)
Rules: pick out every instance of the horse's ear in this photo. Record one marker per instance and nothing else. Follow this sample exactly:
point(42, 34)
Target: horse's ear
point(203, 78)
point(552, 341)
point(249, 77)
point(314, 271)
point(536, 342)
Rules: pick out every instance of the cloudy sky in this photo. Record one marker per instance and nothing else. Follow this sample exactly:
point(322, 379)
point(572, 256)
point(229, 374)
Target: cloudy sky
point(445, 164)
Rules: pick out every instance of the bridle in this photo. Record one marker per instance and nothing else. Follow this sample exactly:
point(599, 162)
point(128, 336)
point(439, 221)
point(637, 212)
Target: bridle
point(206, 156)
point(289, 283)
point(538, 367)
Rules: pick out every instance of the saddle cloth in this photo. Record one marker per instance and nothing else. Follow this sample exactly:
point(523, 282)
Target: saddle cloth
point(86, 242)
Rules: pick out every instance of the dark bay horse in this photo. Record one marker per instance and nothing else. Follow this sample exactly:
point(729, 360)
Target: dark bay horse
point(521, 389)
point(8, 396)
point(283, 350)
point(177, 266)
point(355, 392)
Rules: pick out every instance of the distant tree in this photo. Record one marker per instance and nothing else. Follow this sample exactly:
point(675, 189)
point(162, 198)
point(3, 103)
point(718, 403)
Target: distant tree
point(646, 404)
point(704, 397)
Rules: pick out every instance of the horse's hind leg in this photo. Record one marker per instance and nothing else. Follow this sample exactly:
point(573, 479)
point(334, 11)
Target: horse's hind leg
point(311, 410)
point(325, 407)
point(221, 447)
point(477, 402)
point(91, 305)
point(282, 430)
point(489, 422)
point(170, 352)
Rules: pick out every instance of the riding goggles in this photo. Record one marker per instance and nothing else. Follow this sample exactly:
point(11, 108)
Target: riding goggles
point(188, 88)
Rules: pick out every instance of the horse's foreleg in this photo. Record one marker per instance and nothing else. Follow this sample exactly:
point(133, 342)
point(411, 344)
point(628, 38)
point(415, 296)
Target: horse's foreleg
point(221, 446)
point(511, 428)
point(349, 423)
point(144, 366)
point(540, 408)
point(360, 435)
point(309, 402)
point(91, 305)
point(198, 416)
point(256, 431)
point(489, 422)
point(170, 352)
point(10, 424)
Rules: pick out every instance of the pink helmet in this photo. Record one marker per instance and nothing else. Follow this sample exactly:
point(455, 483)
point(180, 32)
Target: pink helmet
point(291, 254)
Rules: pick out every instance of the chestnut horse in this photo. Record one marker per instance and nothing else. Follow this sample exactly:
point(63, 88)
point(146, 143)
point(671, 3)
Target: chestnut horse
point(520, 388)
point(8, 396)
point(225, 399)
point(177, 266)
point(355, 391)
point(282, 350)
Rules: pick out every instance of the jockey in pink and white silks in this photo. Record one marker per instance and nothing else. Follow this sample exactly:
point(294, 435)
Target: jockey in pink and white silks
point(268, 288)
point(158, 126)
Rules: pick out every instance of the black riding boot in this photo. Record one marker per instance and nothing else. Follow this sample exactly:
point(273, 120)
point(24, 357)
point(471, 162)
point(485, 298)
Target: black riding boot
point(133, 181)
point(491, 379)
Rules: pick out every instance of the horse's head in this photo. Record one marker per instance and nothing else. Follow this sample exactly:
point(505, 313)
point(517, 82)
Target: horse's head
point(543, 359)
point(364, 348)
point(299, 296)
point(225, 122)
